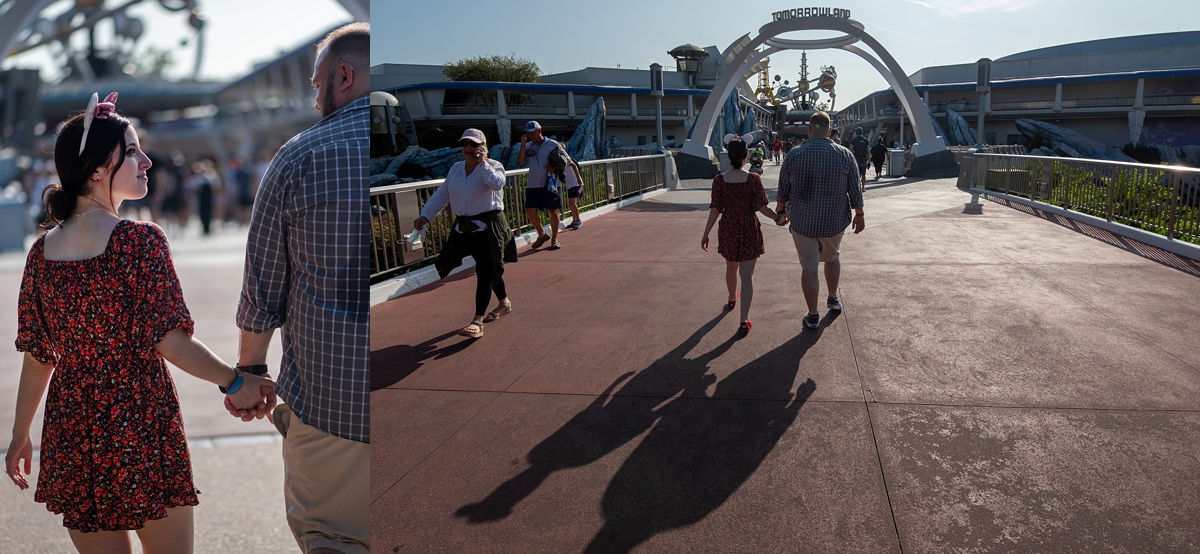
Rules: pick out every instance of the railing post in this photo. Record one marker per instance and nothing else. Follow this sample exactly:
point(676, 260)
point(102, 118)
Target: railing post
point(1109, 212)
point(1047, 178)
point(1174, 206)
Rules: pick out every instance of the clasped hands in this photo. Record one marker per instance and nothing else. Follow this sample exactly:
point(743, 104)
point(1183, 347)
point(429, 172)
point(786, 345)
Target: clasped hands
point(255, 400)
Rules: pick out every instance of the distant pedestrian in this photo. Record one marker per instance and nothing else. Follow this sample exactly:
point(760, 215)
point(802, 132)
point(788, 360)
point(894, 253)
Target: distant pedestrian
point(878, 155)
point(862, 153)
point(738, 197)
point(818, 186)
point(535, 152)
point(833, 137)
point(567, 172)
point(777, 148)
point(474, 190)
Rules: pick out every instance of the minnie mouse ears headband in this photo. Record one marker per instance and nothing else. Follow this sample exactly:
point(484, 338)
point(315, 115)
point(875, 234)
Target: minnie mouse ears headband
point(746, 138)
point(96, 110)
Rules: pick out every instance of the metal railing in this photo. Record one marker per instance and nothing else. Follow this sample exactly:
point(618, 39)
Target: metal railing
point(1159, 199)
point(392, 213)
point(1105, 102)
point(1022, 105)
point(1171, 100)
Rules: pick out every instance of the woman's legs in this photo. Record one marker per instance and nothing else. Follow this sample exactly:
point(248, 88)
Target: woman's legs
point(170, 535)
point(746, 269)
point(102, 542)
point(731, 271)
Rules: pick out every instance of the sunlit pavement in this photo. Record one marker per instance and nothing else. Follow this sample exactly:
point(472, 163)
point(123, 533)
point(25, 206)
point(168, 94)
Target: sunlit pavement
point(238, 467)
point(1000, 380)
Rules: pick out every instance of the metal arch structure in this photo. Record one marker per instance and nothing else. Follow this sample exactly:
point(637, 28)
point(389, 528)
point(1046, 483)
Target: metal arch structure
point(16, 15)
point(928, 142)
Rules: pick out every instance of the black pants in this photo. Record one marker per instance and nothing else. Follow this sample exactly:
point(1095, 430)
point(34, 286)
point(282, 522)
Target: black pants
point(204, 201)
point(489, 272)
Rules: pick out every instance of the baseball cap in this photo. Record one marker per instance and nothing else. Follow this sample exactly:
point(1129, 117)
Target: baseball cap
point(473, 135)
point(532, 126)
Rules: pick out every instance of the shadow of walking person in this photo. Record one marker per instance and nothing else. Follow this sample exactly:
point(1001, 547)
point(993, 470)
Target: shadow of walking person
point(703, 449)
point(610, 421)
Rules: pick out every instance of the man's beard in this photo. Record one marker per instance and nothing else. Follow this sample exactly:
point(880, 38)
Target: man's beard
point(327, 106)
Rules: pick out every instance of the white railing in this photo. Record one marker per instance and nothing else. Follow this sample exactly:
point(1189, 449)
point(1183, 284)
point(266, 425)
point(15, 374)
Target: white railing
point(394, 207)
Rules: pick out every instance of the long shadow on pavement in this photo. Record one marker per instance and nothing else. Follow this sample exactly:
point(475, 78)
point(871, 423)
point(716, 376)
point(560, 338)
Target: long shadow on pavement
point(392, 364)
point(700, 449)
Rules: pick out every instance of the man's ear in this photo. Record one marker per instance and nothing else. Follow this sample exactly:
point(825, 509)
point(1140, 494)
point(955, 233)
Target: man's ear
point(345, 77)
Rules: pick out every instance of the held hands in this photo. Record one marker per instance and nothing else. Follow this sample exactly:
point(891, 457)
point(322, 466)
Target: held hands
point(255, 400)
point(20, 449)
point(781, 219)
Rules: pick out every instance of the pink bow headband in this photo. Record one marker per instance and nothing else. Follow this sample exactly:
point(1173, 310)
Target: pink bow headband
point(96, 110)
point(746, 138)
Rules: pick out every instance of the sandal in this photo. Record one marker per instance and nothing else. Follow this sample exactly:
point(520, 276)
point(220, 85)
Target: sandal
point(733, 302)
point(745, 327)
point(501, 310)
point(474, 330)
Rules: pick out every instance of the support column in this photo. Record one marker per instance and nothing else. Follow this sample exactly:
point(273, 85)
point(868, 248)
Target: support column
point(1138, 98)
point(1058, 97)
point(501, 105)
point(570, 103)
point(633, 106)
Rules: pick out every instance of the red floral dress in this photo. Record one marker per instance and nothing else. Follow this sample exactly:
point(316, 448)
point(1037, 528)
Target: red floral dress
point(113, 452)
point(739, 233)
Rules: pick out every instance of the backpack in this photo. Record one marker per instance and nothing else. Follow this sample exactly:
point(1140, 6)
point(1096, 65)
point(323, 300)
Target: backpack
point(862, 148)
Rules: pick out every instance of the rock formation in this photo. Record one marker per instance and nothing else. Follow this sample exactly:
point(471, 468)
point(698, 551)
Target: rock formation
point(958, 132)
point(1066, 142)
point(588, 141)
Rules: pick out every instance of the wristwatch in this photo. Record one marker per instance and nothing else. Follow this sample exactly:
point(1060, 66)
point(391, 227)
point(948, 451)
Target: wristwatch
point(256, 369)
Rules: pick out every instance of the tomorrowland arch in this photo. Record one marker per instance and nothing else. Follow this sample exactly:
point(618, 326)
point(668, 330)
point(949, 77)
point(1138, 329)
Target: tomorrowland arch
point(745, 53)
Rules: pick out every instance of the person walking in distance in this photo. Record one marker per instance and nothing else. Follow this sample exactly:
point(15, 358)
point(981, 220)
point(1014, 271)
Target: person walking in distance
point(738, 197)
point(535, 152)
point(306, 273)
point(878, 154)
point(818, 186)
point(474, 189)
point(862, 151)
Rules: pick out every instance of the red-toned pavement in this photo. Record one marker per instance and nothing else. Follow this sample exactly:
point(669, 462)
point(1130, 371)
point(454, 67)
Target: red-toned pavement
point(1000, 381)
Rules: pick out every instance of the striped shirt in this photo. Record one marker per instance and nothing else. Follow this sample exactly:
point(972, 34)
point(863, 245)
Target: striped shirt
point(819, 183)
point(306, 271)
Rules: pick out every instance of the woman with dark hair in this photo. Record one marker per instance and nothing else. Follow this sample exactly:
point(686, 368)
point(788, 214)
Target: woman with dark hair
point(737, 195)
point(100, 307)
point(878, 154)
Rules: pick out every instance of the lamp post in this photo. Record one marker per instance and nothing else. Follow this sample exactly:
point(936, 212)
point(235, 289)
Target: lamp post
point(656, 90)
point(982, 86)
point(688, 58)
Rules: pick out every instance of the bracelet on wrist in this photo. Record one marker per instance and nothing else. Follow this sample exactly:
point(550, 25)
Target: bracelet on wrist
point(236, 385)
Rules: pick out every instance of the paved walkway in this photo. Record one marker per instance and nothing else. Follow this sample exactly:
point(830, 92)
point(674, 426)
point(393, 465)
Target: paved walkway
point(1000, 381)
point(238, 467)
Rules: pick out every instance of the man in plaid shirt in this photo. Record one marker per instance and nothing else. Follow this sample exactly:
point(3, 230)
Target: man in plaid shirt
point(818, 185)
point(306, 272)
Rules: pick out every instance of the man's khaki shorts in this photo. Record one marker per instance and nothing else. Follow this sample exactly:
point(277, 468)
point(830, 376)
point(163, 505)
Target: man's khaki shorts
point(812, 251)
point(326, 486)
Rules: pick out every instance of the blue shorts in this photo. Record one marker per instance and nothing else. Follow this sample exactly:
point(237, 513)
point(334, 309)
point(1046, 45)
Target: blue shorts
point(539, 199)
point(575, 192)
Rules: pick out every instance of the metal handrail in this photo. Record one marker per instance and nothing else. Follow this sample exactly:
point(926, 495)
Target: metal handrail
point(1161, 199)
point(604, 182)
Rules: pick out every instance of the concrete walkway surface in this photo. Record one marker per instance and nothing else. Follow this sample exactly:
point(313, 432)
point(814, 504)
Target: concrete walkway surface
point(237, 466)
point(1001, 380)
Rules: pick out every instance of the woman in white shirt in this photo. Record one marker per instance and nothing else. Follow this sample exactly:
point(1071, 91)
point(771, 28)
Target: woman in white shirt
point(474, 189)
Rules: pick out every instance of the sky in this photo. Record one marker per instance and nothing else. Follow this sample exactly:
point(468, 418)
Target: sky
point(567, 35)
point(238, 33)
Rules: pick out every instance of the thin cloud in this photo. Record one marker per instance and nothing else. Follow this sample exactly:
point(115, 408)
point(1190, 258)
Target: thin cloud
point(893, 31)
point(957, 8)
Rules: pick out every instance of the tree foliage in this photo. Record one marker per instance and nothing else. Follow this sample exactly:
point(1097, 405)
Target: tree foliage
point(508, 69)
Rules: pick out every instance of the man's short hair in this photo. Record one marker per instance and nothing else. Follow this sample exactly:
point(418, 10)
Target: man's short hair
point(819, 120)
point(349, 43)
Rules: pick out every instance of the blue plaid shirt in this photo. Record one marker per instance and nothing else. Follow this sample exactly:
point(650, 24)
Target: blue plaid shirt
point(819, 184)
point(306, 271)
